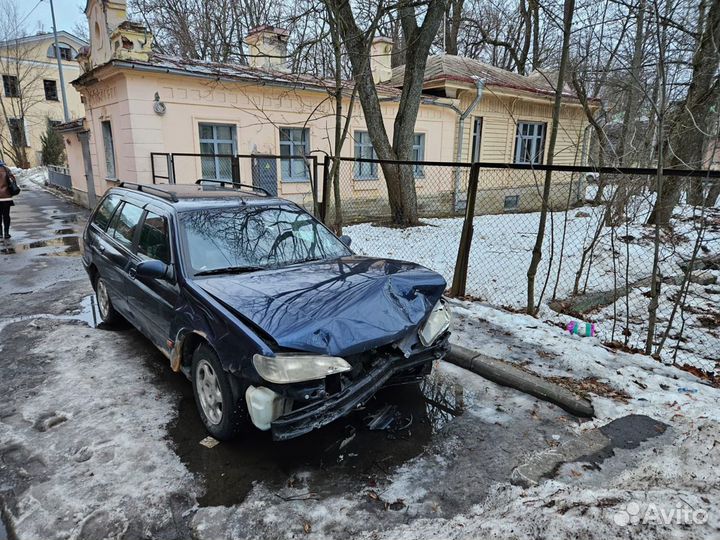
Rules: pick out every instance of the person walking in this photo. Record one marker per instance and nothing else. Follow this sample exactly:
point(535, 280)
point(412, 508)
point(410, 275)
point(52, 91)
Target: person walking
point(5, 200)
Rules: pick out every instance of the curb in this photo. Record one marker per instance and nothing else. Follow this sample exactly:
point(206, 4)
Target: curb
point(506, 374)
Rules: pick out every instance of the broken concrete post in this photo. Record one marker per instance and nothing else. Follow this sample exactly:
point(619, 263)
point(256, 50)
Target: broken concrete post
point(508, 375)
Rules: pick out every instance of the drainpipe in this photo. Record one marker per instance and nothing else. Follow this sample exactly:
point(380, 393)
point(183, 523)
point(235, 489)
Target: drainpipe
point(479, 85)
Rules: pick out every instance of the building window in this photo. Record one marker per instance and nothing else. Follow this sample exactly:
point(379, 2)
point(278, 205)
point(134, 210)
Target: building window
point(66, 52)
point(50, 90)
point(294, 145)
point(476, 138)
point(109, 149)
point(418, 154)
point(218, 142)
point(17, 131)
point(11, 86)
point(512, 202)
point(364, 150)
point(530, 142)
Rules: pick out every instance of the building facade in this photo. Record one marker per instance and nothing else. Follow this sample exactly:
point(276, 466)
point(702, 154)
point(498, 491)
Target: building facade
point(139, 103)
point(31, 94)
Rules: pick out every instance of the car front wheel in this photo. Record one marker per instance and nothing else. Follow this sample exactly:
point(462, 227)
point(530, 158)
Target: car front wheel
point(214, 398)
point(108, 315)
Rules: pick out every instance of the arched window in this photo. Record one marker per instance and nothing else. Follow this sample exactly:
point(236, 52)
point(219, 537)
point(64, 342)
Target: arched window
point(66, 51)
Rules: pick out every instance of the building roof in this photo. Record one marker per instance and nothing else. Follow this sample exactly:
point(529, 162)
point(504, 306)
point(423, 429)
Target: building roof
point(162, 63)
point(62, 34)
point(448, 67)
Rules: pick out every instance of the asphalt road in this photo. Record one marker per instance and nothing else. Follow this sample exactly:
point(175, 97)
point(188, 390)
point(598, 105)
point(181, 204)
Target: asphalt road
point(99, 438)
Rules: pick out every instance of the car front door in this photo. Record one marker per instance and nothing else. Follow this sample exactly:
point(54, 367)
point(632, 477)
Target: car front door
point(153, 300)
point(115, 251)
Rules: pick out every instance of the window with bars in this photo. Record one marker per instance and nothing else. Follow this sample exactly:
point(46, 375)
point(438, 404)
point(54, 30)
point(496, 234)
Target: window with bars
point(364, 150)
point(476, 139)
point(11, 86)
point(50, 87)
point(217, 139)
point(418, 154)
point(109, 147)
point(294, 145)
point(530, 143)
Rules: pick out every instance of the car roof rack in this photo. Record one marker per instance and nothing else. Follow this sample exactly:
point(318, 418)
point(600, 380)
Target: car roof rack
point(236, 185)
point(152, 189)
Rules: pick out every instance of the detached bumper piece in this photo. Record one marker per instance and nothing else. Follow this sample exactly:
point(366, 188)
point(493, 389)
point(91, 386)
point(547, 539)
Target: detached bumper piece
point(322, 412)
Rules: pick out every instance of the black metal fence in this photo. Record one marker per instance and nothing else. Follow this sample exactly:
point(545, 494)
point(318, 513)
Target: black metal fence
point(478, 224)
point(59, 177)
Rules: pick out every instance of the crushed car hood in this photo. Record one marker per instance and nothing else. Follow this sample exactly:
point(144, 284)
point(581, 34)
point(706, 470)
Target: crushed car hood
point(338, 307)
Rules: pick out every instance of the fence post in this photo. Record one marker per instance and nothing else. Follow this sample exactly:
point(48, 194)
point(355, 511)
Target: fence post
point(171, 169)
point(235, 169)
point(314, 186)
point(152, 166)
point(325, 189)
point(463, 256)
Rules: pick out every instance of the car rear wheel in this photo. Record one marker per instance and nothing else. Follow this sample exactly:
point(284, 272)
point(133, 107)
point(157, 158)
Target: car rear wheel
point(218, 410)
point(108, 315)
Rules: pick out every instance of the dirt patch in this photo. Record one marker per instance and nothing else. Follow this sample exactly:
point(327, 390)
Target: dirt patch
point(590, 385)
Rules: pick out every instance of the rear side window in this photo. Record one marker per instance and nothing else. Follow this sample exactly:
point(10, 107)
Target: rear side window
point(105, 211)
point(153, 241)
point(124, 224)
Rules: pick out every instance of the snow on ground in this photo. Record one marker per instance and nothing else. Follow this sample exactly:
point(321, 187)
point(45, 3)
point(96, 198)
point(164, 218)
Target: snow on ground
point(98, 437)
point(502, 249)
point(36, 175)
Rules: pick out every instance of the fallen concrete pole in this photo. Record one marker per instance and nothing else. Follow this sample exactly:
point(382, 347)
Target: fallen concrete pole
point(508, 375)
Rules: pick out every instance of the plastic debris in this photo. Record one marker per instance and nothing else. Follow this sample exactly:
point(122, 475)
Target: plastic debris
point(687, 390)
point(209, 442)
point(581, 328)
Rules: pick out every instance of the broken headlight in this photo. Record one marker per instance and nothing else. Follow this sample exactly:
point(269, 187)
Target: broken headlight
point(436, 325)
point(286, 368)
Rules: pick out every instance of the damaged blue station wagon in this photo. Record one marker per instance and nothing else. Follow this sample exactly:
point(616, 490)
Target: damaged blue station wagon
point(269, 314)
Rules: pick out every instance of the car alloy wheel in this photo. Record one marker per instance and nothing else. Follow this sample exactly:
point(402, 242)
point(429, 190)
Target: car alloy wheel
point(103, 300)
point(208, 391)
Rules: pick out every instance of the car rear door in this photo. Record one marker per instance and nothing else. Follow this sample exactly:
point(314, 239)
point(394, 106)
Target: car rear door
point(115, 251)
point(153, 300)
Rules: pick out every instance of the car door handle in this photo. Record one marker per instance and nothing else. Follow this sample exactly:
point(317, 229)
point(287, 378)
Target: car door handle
point(101, 249)
point(132, 272)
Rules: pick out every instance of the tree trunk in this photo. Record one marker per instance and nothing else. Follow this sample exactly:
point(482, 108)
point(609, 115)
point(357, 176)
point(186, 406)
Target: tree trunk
point(569, 6)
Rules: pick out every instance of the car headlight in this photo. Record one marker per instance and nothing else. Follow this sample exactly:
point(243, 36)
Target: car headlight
point(286, 368)
point(436, 325)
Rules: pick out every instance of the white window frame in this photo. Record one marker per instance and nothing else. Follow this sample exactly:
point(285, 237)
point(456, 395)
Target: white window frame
point(215, 141)
point(418, 154)
point(21, 131)
point(364, 170)
point(109, 150)
point(533, 141)
point(291, 148)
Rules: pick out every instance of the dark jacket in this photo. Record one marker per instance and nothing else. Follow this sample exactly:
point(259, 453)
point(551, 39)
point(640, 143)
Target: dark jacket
point(5, 183)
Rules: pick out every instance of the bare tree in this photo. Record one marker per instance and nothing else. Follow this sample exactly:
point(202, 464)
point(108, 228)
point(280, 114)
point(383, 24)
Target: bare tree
point(418, 39)
point(691, 121)
point(22, 89)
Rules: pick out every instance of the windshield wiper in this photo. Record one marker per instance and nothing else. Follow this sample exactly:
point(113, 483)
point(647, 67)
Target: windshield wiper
point(229, 270)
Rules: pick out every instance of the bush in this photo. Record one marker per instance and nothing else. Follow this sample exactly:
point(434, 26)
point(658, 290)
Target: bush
point(53, 146)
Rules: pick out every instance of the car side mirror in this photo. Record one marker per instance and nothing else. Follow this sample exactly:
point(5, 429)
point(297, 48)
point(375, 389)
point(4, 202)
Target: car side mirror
point(153, 269)
point(345, 239)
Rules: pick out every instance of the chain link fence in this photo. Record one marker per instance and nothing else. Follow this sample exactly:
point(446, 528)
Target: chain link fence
point(598, 253)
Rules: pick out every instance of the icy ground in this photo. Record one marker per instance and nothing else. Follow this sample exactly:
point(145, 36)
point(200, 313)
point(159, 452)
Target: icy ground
point(502, 249)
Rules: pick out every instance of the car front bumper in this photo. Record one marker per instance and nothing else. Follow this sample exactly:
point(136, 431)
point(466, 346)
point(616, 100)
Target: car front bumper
point(322, 412)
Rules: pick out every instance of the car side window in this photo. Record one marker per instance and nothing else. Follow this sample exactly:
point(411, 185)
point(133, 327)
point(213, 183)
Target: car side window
point(105, 211)
point(124, 224)
point(153, 241)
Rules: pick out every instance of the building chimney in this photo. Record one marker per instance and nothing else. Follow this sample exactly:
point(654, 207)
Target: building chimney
point(381, 59)
point(268, 47)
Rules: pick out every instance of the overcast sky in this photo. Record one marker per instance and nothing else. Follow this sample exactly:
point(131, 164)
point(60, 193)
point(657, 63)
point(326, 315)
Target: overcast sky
point(67, 14)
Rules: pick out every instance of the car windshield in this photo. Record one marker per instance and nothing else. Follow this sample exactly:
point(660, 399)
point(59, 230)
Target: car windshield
point(254, 237)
